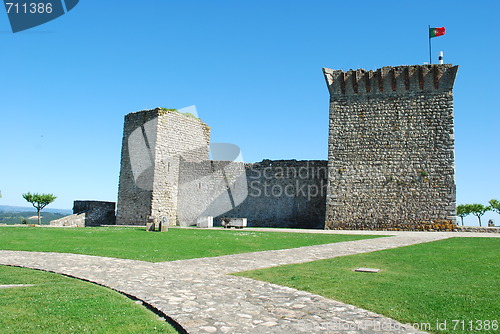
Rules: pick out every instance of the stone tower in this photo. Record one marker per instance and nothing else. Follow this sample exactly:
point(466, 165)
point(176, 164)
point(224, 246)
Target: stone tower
point(391, 148)
point(154, 142)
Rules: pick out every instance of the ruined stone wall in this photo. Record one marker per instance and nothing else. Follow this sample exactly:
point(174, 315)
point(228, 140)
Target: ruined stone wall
point(284, 193)
point(74, 220)
point(391, 148)
point(153, 142)
point(88, 213)
point(97, 212)
point(210, 188)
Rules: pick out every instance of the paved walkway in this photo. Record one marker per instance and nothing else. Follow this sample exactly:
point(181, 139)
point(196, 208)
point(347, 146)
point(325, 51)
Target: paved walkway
point(200, 296)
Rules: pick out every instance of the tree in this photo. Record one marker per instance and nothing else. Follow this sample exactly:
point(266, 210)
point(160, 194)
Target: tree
point(495, 205)
point(463, 210)
point(478, 210)
point(39, 201)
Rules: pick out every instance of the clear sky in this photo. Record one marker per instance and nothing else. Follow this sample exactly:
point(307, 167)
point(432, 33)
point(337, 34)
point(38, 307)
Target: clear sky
point(252, 68)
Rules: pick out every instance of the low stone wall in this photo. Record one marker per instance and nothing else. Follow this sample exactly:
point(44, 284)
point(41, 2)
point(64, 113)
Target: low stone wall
point(478, 229)
point(75, 220)
point(88, 213)
point(441, 225)
point(97, 212)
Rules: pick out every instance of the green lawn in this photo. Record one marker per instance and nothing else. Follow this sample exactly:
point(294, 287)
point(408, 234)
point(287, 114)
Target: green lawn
point(454, 279)
point(58, 304)
point(137, 244)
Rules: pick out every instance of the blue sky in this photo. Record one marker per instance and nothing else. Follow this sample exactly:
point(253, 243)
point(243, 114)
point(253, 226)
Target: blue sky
point(252, 68)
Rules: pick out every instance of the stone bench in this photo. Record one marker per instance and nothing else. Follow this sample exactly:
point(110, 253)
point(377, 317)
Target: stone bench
point(233, 222)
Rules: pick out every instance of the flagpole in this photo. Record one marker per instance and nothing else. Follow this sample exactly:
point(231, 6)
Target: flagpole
point(430, 48)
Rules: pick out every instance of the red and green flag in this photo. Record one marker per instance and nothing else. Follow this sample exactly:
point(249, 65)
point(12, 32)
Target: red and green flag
point(436, 32)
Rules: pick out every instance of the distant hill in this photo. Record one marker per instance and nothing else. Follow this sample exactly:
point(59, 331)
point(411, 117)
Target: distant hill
point(8, 208)
point(28, 217)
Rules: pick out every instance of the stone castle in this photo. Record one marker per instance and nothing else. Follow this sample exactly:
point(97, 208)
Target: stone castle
point(390, 162)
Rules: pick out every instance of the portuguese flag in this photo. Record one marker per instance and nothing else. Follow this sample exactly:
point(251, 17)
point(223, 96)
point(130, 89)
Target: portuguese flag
point(436, 32)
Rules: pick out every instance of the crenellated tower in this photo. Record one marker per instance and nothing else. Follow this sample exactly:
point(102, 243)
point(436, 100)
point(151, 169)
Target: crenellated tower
point(391, 158)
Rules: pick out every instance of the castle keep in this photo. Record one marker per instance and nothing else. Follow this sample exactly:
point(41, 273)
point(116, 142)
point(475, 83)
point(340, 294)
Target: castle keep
point(391, 147)
point(154, 142)
point(390, 162)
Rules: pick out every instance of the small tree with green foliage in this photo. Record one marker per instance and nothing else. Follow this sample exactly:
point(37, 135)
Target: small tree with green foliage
point(39, 201)
point(463, 210)
point(495, 205)
point(478, 210)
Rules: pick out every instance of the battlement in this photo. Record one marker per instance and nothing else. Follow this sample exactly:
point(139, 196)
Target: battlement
point(391, 80)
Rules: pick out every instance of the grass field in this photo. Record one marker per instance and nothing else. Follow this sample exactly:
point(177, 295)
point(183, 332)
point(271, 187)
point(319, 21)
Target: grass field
point(137, 244)
point(58, 304)
point(455, 280)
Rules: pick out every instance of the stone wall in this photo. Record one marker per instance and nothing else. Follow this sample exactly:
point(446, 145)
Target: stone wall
point(74, 220)
point(209, 188)
point(135, 187)
point(97, 212)
point(478, 229)
point(154, 141)
point(88, 213)
point(179, 137)
point(391, 148)
point(285, 193)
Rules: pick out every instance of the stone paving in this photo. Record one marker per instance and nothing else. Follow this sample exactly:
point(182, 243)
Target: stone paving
point(8, 286)
point(200, 296)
